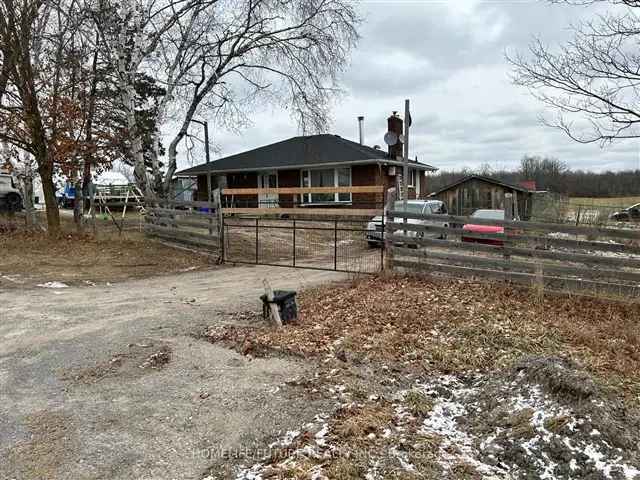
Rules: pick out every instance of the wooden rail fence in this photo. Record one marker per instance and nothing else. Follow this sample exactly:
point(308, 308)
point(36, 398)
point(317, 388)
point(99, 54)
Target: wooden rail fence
point(557, 256)
point(192, 223)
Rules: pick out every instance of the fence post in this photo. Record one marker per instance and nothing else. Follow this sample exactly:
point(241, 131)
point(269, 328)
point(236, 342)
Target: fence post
point(384, 227)
point(508, 216)
point(217, 198)
point(257, 240)
point(388, 244)
point(335, 245)
point(294, 242)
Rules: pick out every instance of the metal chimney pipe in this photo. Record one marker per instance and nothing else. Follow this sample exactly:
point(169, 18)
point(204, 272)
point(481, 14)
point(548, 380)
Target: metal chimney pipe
point(361, 126)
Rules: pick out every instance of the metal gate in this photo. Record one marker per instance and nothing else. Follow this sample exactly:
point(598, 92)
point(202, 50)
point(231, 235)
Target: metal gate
point(340, 245)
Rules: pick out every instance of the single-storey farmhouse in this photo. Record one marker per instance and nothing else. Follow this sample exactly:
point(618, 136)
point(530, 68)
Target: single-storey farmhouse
point(472, 192)
point(308, 161)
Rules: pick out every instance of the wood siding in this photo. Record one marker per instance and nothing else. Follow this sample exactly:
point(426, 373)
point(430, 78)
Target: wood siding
point(465, 198)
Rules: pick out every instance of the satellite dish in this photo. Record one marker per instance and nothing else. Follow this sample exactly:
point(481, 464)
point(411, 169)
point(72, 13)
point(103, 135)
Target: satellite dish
point(401, 138)
point(391, 138)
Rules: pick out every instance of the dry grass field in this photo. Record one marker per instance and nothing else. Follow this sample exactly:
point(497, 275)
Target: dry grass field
point(30, 258)
point(616, 202)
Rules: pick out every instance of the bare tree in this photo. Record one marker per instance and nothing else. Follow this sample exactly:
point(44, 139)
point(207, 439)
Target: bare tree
point(593, 81)
point(21, 29)
point(56, 93)
point(247, 51)
point(218, 58)
point(130, 34)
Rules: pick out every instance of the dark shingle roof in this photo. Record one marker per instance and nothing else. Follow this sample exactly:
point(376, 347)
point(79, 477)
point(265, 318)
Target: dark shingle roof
point(484, 179)
point(296, 152)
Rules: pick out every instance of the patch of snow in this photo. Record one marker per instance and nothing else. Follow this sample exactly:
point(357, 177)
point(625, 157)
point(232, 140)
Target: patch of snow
point(561, 235)
point(458, 445)
point(403, 458)
point(321, 434)
point(318, 451)
point(287, 440)
point(372, 473)
point(316, 474)
point(53, 285)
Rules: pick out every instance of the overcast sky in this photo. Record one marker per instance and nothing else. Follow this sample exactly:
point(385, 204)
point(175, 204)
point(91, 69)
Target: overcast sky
point(448, 57)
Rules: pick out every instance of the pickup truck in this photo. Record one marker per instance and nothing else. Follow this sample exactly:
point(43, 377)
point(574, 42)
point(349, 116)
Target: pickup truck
point(10, 197)
point(375, 228)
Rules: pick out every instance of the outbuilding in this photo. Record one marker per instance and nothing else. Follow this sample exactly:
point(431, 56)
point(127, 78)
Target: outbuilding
point(473, 192)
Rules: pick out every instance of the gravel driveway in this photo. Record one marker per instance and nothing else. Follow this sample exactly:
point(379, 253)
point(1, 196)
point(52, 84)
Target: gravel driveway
point(110, 382)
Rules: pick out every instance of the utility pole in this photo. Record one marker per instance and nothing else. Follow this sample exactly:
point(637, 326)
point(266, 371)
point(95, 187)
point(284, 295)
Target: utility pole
point(405, 174)
point(207, 155)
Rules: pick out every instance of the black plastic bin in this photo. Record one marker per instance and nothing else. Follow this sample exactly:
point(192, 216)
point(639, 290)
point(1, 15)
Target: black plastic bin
point(287, 306)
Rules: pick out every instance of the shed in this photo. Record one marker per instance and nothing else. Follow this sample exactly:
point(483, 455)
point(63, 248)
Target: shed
point(472, 192)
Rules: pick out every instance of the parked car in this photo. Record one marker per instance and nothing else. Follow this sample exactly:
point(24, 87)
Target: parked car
point(375, 228)
point(10, 197)
point(628, 214)
point(469, 229)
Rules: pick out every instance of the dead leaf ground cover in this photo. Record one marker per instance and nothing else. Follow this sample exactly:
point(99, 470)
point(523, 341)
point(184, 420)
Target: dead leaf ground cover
point(440, 326)
point(427, 379)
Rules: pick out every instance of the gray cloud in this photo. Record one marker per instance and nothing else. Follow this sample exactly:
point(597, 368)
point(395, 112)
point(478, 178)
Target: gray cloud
point(448, 57)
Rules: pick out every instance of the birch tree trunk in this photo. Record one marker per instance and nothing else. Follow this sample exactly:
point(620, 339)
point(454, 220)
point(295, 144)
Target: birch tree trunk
point(129, 59)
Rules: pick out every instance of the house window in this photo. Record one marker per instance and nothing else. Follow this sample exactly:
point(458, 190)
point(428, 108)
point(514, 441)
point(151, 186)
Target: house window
point(330, 177)
point(413, 175)
point(344, 180)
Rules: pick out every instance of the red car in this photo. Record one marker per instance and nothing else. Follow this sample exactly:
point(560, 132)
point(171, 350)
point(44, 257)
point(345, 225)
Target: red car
point(470, 228)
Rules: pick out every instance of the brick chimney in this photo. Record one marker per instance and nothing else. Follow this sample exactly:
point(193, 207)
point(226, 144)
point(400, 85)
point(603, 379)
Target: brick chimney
point(396, 125)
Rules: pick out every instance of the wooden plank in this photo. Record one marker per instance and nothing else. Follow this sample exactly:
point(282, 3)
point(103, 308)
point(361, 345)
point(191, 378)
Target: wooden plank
point(205, 225)
point(522, 278)
point(514, 265)
point(549, 227)
point(181, 233)
point(576, 257)
point(212, 243)
point(330, 212)
point(171, 211)
point(184, 241)
point(180, 218)
point(592, 245)
point(547, 241)
point(523, 252)
point(302, 190)
point(193, 204)
point(432, 242)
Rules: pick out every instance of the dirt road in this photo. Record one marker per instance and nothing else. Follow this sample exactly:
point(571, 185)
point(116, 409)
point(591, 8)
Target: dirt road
point(110, 382)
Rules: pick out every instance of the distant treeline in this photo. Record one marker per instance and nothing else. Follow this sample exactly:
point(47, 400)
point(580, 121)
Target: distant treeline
point(554, 175)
